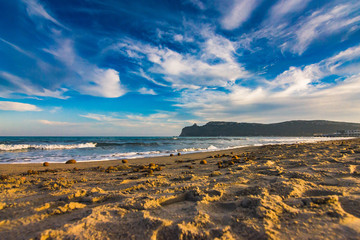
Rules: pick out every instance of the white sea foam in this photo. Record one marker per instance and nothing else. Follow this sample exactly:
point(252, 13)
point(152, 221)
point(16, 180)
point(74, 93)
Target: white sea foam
point(17, 147)
point(212, 147)
point(133, 154)
point(37, 152)
point(191, 149)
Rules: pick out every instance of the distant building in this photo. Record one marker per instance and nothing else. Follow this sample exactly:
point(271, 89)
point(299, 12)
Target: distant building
point(341, 133)
point(350, 133)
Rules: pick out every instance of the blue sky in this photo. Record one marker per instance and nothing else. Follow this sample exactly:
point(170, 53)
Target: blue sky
point(146, 67)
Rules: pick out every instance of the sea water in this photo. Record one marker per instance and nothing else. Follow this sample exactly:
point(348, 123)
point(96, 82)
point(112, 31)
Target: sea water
point(61, 149)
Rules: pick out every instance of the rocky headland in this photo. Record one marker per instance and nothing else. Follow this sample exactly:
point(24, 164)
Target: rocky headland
point(289, 128)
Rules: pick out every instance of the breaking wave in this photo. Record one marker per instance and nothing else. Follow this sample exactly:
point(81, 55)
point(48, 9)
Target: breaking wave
point(17, 147)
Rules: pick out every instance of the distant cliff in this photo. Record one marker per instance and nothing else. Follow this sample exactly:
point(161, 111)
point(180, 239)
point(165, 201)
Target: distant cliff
point(290, 128)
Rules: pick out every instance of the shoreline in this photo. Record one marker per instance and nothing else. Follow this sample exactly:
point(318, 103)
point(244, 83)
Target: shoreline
point(185, 152)
point(307, 190)
point(91, 163)
point(17, 167)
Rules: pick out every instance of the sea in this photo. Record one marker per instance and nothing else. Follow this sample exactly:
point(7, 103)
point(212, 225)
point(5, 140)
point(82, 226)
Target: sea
point(61, 149)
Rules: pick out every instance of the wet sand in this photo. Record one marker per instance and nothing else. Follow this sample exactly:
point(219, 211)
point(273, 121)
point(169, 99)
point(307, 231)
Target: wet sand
point(297, 191)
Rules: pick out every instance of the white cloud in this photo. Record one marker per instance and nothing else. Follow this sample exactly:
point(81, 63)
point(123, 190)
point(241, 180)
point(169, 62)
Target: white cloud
point(103, 83)
point(187, 69)
point(55, 109)
point(146, 76)
point(100, 117)
point(198, 3)
point(297, 93)
point(182, 38)
point(91, 80)
point(285, 7)
point(35, 9)
point(94, 81)
point(340, 62)
point(296, 81)
point(296, 36)
point(54, 123)
point(238, 13)
point(178, 37)
point(156, 117)
point(147, 91)
point(217, 46)
point(338, 102)
point(16, 106)
point(17, 48)
point(25, 86)
point(324, 23)
point(214, 65)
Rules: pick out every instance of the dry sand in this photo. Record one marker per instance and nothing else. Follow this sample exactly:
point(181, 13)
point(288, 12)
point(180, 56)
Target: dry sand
point(298, 191)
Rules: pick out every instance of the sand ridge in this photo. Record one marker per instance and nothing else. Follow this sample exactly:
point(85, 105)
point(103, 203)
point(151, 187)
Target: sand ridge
point(297, 191)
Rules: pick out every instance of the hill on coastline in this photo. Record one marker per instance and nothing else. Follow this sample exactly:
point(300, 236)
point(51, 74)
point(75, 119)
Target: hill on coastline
point(289, 128)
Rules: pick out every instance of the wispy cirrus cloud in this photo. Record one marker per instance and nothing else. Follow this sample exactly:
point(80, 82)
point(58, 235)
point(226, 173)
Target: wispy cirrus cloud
point(285, 7)
point(238, 12)
point(323, 23)
point(56, 123)
point(94, 81)
point(85, 77)
point(346, 62)
point(146, 76)
point(16, 85)
point(19, 107)
point(288, 28)
point(100, 117)
point(17, 48)
point(198, 3)
point(147, 91)
point(35, 9)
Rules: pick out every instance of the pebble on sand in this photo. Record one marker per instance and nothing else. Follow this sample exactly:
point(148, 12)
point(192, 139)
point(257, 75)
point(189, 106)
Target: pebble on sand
point(71, 161)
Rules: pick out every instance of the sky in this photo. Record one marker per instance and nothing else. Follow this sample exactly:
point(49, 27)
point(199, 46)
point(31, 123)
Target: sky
point(149, 68)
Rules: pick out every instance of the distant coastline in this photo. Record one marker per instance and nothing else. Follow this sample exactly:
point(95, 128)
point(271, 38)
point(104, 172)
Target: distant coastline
point(296, 128)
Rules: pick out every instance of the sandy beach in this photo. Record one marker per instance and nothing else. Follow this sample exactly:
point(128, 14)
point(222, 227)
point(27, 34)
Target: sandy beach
point(297, 191)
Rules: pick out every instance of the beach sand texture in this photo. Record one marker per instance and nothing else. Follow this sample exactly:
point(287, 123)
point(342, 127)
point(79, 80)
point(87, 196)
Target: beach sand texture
point(297, 191)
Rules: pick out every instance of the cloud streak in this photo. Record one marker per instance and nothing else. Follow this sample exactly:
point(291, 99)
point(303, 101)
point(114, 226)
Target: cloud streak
point(94, 81)
point(35, 9)
point(24, 86)
point(323, 23)
point(238, 13)
point(54, 123)
point(19, 107)
point(147, 91)
point(285, 7)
